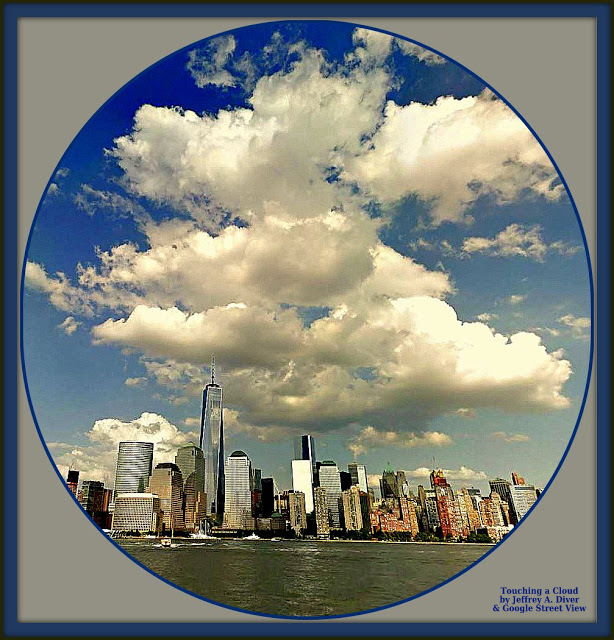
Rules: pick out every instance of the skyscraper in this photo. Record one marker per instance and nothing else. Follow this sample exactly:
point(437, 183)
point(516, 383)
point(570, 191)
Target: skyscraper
point(134, 461)
point(191, 463)
point(302, 480)
point(167, 483)
point(92, 495)
point(523, 498)
point(238, 478)
point(305, 449)
point(212, 444)
point(331, 481)
point(321, 512)
point(268, 497)
point(359, 475)
point(72, 481)
point(298, 515)
point(503, 488)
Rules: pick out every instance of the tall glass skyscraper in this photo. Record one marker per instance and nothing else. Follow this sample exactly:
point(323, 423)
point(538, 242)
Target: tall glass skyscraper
point(238, 511)
point(134, 460)
point(212, 444)
point(191, 462)
point(359, 475)
point(305, 449)
point(302, 481)
point(331, 481)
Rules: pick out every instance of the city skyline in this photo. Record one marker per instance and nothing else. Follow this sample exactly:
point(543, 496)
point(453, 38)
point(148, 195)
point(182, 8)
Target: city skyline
point(339, 506)
point(439, 309)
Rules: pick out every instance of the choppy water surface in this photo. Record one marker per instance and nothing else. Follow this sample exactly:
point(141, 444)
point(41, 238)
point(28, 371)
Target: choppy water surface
point(301, 578)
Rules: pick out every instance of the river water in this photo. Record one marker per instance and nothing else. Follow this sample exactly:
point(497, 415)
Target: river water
point(303, 578)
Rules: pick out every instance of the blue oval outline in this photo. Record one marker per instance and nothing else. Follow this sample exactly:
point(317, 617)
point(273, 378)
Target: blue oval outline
point(591, 288)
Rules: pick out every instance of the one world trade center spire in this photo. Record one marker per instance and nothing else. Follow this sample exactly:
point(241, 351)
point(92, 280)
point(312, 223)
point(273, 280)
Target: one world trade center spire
point(212, 444)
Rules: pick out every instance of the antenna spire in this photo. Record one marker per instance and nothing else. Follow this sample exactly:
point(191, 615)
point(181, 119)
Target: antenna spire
point(212, 369)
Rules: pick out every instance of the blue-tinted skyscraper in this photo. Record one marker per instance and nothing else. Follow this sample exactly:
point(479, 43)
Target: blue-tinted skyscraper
point(212, 444)
point(305, 449)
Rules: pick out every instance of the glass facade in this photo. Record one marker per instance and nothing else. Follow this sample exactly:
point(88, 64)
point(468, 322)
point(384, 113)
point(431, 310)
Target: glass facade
point(302, 480)
point(359, 475)
point(134, 462)
point(331, 481)
point(238, 509)
point(212, 445)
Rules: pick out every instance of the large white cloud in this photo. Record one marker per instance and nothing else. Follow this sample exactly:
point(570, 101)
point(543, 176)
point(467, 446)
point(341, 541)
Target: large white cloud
point(385, 346)
point(451, 152)
point(97, 460)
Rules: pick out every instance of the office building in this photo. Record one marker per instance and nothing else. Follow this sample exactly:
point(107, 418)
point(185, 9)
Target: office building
point(92, 496)
point(167, 483)
point(331, 481)
point(321, 512)
point(134, 462)
point(352, 509)
point(346, 480)
point(358, 472)
point(212, 444)
point(191, 463)
point(72, 481)
point(302, 480)
point(268, 497)
point(304, 449)
point(516, 479)
point(238, 495)
point(523, 498)
point(298, 515)
point(137, 512)
point(504, 489)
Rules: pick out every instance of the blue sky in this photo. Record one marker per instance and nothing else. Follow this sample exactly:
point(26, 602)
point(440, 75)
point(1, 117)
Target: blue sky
point(374, 246)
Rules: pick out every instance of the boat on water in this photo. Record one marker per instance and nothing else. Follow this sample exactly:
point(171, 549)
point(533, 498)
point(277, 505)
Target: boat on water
point(253, 536)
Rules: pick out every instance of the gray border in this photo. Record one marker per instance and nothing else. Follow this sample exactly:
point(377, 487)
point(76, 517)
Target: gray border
point(544, 67)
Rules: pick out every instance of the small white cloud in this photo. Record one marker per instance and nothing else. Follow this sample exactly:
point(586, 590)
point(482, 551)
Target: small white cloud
point(580, 327)
point(371, 438)
point(516, 241)
point(208, 64)
point(510, 437)
point(135, 382)
point(69, 325)
point(486, 317)
point(463, 474)
point(430, 58)
point(516, 298)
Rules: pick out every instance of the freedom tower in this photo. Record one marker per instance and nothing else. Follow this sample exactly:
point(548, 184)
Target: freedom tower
point(212, 444)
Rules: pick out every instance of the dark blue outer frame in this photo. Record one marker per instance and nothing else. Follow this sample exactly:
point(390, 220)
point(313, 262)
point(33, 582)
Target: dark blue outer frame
point(601, 13)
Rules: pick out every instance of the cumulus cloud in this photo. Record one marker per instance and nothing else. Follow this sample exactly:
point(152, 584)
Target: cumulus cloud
point(510, 437)
point(450, 153)
point(580, 327)
point(273, 221)
point(464, 474)
point(516, 298)
point(516, 241)
point(486, 317)
point(370, 438)
point(97, 460)
point(69, 325)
